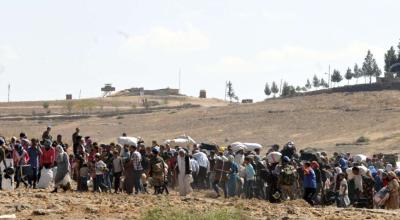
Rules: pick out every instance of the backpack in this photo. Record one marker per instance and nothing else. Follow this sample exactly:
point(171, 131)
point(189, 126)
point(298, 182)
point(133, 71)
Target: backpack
point(144, 162)
point(288, 176)
point(158, 167)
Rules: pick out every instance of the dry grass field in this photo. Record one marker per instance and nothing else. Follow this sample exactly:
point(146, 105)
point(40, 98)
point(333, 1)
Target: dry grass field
point(321, 121)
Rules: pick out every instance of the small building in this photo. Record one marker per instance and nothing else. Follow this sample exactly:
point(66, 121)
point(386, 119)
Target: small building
point(203, 94)
point(68, 96)
point(247, 101)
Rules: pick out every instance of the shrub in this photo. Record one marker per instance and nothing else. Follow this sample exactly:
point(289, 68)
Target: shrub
point(362, 139)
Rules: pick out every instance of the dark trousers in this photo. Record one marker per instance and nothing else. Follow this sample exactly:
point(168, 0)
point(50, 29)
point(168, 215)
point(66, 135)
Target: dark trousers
point(99, 184)
point(83, 187)
point(201, 178)
point(224, 186)
point(248, 188)
point(309, 195)
point(137, 174)
point(33, 178)
point(117, 181)
point(19, 178)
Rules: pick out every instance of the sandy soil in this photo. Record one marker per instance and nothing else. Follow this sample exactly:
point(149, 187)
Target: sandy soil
point(40, 204)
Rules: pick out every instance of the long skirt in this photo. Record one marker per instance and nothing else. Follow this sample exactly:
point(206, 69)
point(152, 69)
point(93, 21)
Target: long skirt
point(184, 184)
point(129, 181)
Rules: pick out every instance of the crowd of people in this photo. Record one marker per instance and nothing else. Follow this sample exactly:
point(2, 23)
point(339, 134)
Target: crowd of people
point(279, 175)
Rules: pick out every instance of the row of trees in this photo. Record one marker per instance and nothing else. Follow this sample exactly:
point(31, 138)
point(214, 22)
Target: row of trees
point(369, 69)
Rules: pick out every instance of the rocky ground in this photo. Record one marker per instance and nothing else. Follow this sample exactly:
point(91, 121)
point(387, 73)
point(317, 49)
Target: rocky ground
point(41, 204)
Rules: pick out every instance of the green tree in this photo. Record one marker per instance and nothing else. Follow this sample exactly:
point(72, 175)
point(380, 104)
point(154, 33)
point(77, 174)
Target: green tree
point(316, 82)
point(267, 90)
point(287, 90)
point(336, 76)
point(323, 83)
point(274, 89)
point(231, 93)
point(46, 106)
point(357, 73)
point(348, 75)
point(370, 67)
point(390, 59)
point(308, 84)
point(298, 89)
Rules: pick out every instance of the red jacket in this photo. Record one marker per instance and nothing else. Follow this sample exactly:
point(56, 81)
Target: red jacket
point(48, 156)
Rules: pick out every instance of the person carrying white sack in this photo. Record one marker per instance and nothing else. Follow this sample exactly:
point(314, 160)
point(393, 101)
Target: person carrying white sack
point(184, 171)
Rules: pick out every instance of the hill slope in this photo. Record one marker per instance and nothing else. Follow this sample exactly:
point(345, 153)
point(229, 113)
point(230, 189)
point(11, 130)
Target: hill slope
point(320, 121)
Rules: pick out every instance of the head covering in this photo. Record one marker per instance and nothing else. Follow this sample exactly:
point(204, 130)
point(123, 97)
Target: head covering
point(392, 174)
point(155, 150)
point(60, 153)
point(231, 158)
point(286, 159)
point(389, 167)
point(47, 143)
point(2, 141)
point(315, 165)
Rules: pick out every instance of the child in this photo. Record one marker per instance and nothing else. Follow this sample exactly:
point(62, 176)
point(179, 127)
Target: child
point(84, 176)
point(117, 169)
point(249, 181)
point(344, 200)
point(100, 168)
point(144, 183)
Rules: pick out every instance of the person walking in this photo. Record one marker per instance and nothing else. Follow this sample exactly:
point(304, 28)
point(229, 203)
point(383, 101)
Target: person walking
point(62, 178)
point(309, 183)
point(184, 171)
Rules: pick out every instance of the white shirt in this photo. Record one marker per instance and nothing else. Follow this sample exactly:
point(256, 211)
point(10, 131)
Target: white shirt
point(201, 159)
point(195, 166)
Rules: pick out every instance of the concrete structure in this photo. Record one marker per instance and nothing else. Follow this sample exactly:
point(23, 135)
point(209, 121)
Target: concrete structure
point(68, 96)
point(203, 94)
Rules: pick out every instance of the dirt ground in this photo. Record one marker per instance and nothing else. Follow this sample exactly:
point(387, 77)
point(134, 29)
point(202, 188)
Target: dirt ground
point(40, 204)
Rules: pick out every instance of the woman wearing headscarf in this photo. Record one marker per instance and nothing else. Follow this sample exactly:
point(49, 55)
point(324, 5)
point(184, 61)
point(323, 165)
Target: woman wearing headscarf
point(184, 173)
point(233, 176)
point(62, 178)
point(393, 186)
point(21, 158)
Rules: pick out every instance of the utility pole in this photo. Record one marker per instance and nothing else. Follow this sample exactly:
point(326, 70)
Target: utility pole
point(280, 88)
point(179, 81)
point(9, 88)
point(329, 77)
point(80, 92)
point(226, 86)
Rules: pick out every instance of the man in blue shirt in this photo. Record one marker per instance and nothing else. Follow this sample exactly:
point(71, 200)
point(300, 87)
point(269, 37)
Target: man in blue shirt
point(34, 153)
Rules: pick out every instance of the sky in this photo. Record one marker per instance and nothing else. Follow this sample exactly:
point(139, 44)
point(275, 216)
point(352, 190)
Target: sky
point(50, 48)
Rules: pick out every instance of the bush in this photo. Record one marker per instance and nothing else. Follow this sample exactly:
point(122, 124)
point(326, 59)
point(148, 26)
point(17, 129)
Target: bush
point(362, 139)
point(216, 214)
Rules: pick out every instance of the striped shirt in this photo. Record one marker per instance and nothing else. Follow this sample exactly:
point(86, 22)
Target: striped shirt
point(136, 161)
